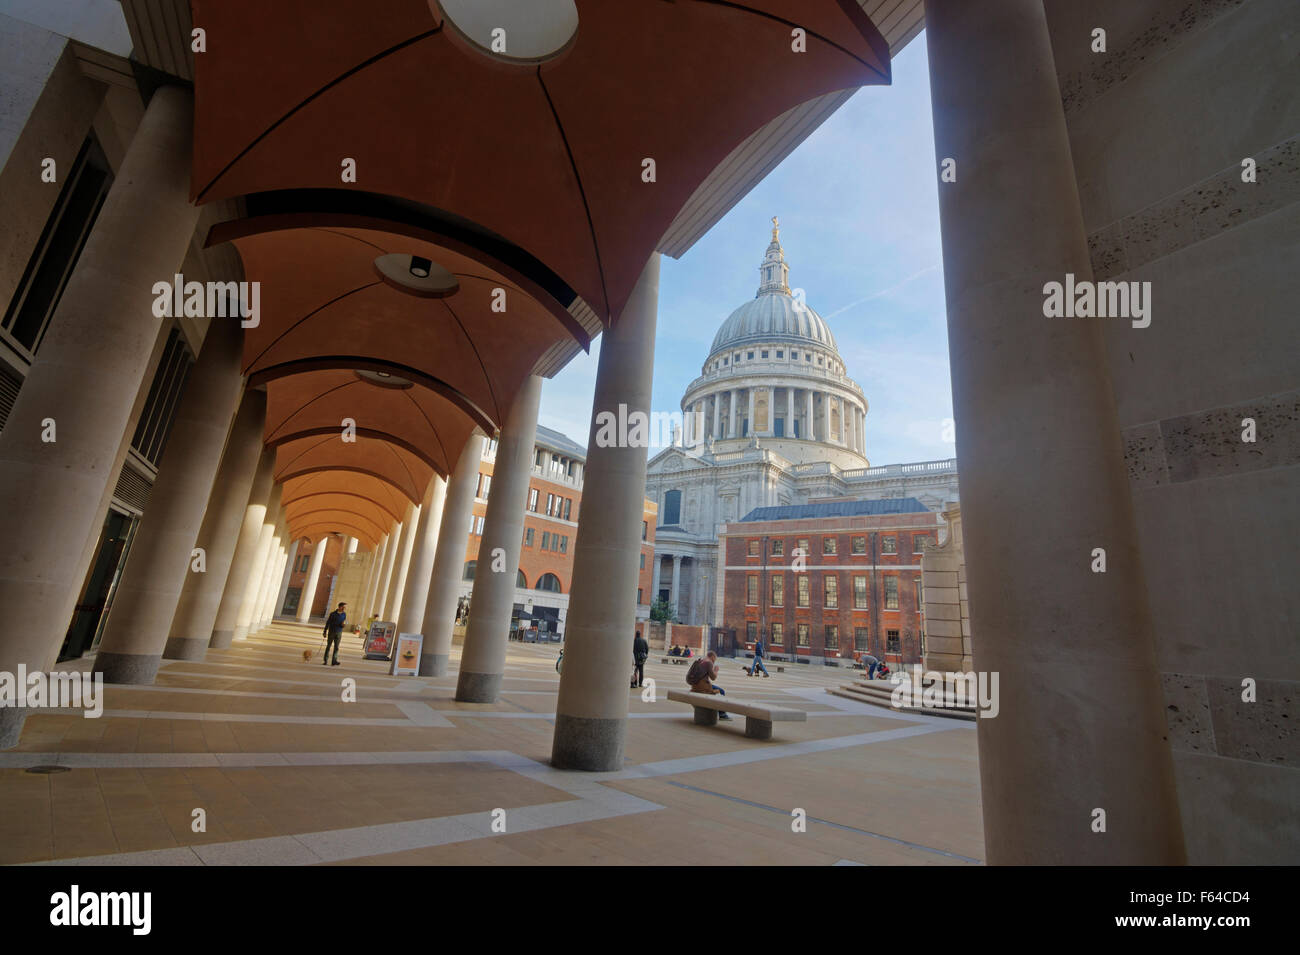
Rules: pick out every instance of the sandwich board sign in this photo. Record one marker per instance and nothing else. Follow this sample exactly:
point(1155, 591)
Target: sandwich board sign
point(406, 661)
point(379, 641)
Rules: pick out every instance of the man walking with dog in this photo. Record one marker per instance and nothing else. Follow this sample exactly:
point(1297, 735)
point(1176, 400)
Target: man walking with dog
point(334, 633)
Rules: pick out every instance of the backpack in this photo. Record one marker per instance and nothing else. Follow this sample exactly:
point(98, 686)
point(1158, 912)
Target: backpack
point(696, 672)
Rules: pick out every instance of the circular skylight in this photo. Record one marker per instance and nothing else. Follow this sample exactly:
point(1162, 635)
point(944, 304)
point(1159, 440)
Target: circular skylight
point(511, 30)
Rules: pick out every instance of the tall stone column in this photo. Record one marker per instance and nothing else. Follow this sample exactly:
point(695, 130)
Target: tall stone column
point(717, 414)
point(734, 401)
point(372, 581)
point(386, 575)
point(313, 580)
point(826, 417)
point(241, 564)
point(591, 712)
point(161, 553)
point(810, 419)
point(262, 609)
point(196, 611)
point(257, 569)
point(482, 664)
point(352, 546)
point(84, 380)
point(286, 576)
point(789, 412)
point(402, 565)
point(655, 573)
point(273, 577)
point(416, 596)
point(449, 559)
point(1081, 724)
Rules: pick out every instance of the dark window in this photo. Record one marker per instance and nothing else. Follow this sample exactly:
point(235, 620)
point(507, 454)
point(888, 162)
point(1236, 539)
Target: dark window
point(832, 637)
point(55, 256)
point(778, 591)
point(801, 632)
point(889, 545)
point(891, 642)
point(528, 537)
point(753, 547)
point(672, 507)
point(891, 593)
point(778, 633)
point(859, 545)
point(751, 592)
point(549, 582)
point(829, 544)
point(860, 638)
point(859, 593)
point(832, 591)
point(151, 431)
point(751, 631)
point(803, 590)
point(469, 569)
point(778, 548)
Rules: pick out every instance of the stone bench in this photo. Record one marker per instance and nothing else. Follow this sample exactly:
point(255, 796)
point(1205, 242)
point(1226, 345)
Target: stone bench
point(759, 717)
point(678, 659)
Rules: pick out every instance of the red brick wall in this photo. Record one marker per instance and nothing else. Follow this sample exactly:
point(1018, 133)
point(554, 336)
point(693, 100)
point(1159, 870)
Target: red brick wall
point(906, 619)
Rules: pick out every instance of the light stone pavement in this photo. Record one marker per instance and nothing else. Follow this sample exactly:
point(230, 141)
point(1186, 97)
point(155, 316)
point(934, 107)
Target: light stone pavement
point(287, 773)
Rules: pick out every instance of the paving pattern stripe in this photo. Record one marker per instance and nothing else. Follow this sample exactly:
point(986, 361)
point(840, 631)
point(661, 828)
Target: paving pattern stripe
point(826, 822)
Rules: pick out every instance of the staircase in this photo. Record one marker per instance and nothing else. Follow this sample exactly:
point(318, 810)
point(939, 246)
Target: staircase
point(878, 692)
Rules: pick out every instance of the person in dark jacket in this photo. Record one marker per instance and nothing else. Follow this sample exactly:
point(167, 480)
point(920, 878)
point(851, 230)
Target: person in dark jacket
point(640, 651)
point(758, 660)
point(334, 633)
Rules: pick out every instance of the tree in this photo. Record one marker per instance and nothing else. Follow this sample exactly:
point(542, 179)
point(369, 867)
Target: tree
point(661, 611)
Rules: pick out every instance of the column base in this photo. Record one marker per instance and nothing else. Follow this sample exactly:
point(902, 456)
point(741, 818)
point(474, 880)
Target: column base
point(185, 648)
point(12, 719)
point(221, 639)
point(478, 687)
point(592, 745)
point(127, 667)
point(705, 716)
point(434, 664)
point(241, 633)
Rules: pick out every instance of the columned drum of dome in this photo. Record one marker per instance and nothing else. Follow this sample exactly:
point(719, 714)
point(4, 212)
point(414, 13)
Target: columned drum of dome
point(766, 355)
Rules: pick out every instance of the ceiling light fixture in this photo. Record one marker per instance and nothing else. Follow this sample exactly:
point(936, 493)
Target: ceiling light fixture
point(420, 267)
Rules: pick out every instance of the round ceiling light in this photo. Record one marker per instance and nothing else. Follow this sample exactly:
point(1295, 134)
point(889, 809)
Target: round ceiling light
point(416, 275)
point(383, 379)
point(512, 31)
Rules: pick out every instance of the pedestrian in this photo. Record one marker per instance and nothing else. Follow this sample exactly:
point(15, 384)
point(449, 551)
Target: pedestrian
point(640, 650)
point(334, 633)
point(870, 663)
point(758, 659)
point(701, 676)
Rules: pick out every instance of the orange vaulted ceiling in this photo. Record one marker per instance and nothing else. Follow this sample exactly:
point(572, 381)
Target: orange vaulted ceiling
point(400, 469)
point(373, 496)
point(548, 156)
point(324, 305)
point(326, 402)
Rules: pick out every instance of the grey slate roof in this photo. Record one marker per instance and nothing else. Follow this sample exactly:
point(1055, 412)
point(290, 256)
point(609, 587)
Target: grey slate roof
point(550, 438)
point(791, 512)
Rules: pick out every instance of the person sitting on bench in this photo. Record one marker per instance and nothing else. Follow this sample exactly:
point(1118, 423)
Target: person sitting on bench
point(701, 676)
point(675, 651)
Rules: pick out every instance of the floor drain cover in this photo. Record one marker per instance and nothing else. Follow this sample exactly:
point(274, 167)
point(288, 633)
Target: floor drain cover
point(48, 769)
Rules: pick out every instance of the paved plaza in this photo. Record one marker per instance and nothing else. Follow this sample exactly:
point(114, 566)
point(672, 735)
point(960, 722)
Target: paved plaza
point(288, 773)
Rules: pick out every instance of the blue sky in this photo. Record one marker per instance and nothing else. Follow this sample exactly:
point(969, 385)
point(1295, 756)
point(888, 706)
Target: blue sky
point(859, 217)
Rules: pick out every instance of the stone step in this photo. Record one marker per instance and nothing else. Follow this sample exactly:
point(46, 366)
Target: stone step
point(881, 698)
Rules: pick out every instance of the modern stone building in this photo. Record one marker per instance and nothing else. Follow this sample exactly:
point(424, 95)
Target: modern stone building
point(773, 420)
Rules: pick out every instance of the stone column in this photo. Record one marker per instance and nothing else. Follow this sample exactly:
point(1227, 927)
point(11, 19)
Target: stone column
point(677, 578)
point(313, 580)
point(161, 552)
point(734, 400)
point(272, 579)
point(655, 573)
point(826, 417)
point(416, 596)
point(352, 546)
point(85, 379)
point(393, 606)
point(789, 412)
point(449, 559)
point(717, 414)
point(257, 619)
point(376, 572)
point(257, 569)
point(1082, 724)
point(386, 576)
point(241, 564)
point(482, 664)
point(283, 593)
point(810, 419)
point(191, 626)
point(591, 711)
point(752, 429)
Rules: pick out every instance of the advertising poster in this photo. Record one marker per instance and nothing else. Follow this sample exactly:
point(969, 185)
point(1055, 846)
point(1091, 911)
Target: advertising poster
point(406, 661)
point(379, 641)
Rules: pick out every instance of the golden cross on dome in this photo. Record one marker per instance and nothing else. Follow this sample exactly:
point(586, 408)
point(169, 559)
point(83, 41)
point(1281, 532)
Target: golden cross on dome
point(776, 224)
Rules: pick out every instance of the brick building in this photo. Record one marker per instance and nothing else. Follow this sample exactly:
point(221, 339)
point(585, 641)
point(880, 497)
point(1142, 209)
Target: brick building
point(858, 588)
point(550, 532)
point(300, 569)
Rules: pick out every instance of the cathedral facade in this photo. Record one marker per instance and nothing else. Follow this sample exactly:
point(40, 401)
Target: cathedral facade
point(773, 419)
